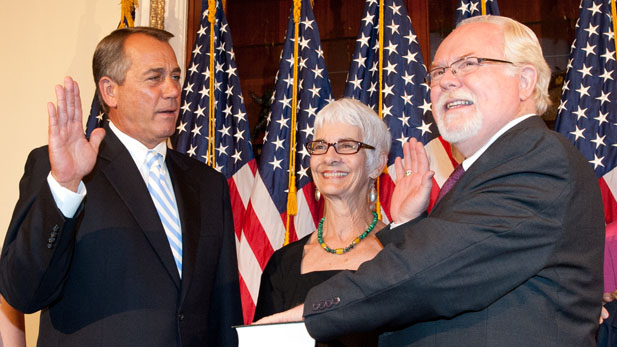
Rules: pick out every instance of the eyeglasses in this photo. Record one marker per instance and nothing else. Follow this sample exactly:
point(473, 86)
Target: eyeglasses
point(461, 67)
point(341, 147)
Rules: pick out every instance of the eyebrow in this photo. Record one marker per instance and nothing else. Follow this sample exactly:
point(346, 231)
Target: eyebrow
point(161, 70)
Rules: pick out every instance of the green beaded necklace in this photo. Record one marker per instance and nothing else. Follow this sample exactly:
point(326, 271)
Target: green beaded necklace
point(353, 243)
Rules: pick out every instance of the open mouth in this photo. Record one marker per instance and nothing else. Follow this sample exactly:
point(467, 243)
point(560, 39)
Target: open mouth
point(335, 174)
point(458, 103)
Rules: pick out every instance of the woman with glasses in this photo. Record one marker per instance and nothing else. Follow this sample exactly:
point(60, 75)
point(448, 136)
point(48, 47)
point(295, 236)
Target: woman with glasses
point(348, 152)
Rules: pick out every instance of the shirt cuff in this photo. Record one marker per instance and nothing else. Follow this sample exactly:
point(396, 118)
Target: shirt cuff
point(66, 200)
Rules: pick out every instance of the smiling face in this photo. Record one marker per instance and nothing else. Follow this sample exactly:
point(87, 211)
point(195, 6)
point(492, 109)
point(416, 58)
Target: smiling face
point(339, 176)
point(469, 109)
point(146, 105)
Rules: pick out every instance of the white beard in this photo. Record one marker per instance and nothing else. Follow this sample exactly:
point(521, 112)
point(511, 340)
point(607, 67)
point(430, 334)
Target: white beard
point(453, 130)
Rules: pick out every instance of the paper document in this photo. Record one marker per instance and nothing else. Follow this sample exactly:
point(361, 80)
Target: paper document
point(274, 335)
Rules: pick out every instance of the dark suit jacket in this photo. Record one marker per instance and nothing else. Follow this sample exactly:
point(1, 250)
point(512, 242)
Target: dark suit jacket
point(107, 276)
point(511, 256)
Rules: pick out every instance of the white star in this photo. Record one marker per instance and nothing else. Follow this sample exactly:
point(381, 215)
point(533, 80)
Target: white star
point(356, 83)
point(224, 130)
point(231, 71)
point(585, 70)
point(285, 102)
point(374, 67)
point(410, 57)
point(302, 172)
point(589, 49)
point(224, 28)
point(317, 72)
point(404, 120)
point(609, 33)
point(319, 52)
point(393, 27)
point(599, 141)
point(604, 97)
point(304, 152)
point(283, 122)
point(608, 55)
point(275, 164)
point(204, 92)
point(196, 130)
point(289, 80)
point(596, 161)
point(181, 127)
point(601, 118)
point(592, 30)
point(408, 78)
point(302, 63)
point(368, 19)
point(311, 111)
point(222, 149)
point(385, 111)
point(411, 37)
point(402, 139)
point(425, 127)
point(189, 88)
point(278, 143)
point(360, 61)
point(607, 75)
point(372, 88)
point(390, 48)
point(303, 42)
point(583, 90)
point(425, 107)
point(193, 68)
point(562, 105)
point(595, 9)
point(566, 85)
point(580, 113)
point(407, 98)
point(199, 112)
point(202, 30)
point(191, 150)
point(315, 90)
point(363, 40)
point(473, 7)
point(390, 68)
point(395, 9)
point(578, 133)
point(463, 8)
point(308, 24)
point(308, 131)
point(197, 50)
point(237, 155)
point(99, 117)
point(186, 107)
point(239, 135)
point(240, 116)
point(387, 90)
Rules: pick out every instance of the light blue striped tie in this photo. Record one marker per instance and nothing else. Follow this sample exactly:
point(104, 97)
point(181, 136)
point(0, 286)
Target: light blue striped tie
point(164, 199)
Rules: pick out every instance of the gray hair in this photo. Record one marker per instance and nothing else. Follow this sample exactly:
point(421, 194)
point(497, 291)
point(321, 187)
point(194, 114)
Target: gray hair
point(109, 58)
point(521, 46)
point(373, 129)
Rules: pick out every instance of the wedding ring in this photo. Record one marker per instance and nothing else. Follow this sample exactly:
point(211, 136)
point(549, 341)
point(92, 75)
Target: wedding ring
point(408, 172)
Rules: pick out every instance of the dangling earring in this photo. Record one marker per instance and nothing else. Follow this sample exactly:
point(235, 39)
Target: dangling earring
point(372, 194)
point(317, 194)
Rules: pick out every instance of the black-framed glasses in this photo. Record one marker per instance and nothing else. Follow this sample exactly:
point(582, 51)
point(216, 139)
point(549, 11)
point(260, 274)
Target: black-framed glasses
point(461, 67)
point(341, 147)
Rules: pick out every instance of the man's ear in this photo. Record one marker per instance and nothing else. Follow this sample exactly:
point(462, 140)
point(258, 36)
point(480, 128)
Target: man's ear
point(108, 89)
point(527, 82)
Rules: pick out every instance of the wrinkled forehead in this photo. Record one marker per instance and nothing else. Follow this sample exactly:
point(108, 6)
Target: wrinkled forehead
point(481, 39)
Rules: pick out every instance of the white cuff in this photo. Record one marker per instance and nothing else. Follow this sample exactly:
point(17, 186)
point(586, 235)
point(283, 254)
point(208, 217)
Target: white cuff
point(67, 201)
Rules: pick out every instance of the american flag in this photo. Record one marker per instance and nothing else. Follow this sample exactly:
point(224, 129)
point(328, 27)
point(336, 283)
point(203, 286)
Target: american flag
point(472, 8)
point(233, 153)
point(406, 106)
point(127, 20)
point(264, 228)
point(587, 113)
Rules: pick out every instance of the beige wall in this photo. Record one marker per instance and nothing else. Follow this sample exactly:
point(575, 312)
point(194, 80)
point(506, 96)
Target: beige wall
point(42, 41)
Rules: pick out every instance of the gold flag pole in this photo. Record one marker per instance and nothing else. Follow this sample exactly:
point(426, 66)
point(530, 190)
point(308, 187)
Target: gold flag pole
point(157, 14)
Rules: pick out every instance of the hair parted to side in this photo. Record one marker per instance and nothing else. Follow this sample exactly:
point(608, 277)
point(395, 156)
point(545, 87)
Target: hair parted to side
point(522, 47)
point(353, 112)
point(109, 58)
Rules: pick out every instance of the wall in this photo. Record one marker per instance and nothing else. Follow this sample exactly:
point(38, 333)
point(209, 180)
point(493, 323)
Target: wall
point(42, 41)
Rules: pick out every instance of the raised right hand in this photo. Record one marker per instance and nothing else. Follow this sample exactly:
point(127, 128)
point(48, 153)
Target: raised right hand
point(71, 155)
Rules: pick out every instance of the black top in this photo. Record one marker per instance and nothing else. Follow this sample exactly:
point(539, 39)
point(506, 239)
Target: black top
point(284, 286)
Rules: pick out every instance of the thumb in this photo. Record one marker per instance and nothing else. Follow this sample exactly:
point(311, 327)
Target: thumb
point(96, 136)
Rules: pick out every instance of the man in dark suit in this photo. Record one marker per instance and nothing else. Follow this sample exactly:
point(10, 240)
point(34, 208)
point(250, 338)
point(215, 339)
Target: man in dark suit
point(91, 242)
point(512, 254)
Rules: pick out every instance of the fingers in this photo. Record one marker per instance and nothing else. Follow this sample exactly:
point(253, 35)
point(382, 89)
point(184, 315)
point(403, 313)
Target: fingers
point(77, 103)
point(398, 168)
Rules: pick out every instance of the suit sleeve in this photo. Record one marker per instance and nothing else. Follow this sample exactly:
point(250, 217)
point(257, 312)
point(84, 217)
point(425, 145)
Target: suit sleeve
point(489, 236)
point(226, 308)
point(39, 243)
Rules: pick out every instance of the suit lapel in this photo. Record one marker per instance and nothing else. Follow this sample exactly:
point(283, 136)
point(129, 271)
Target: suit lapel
point(128, 183)
point(187, 197)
